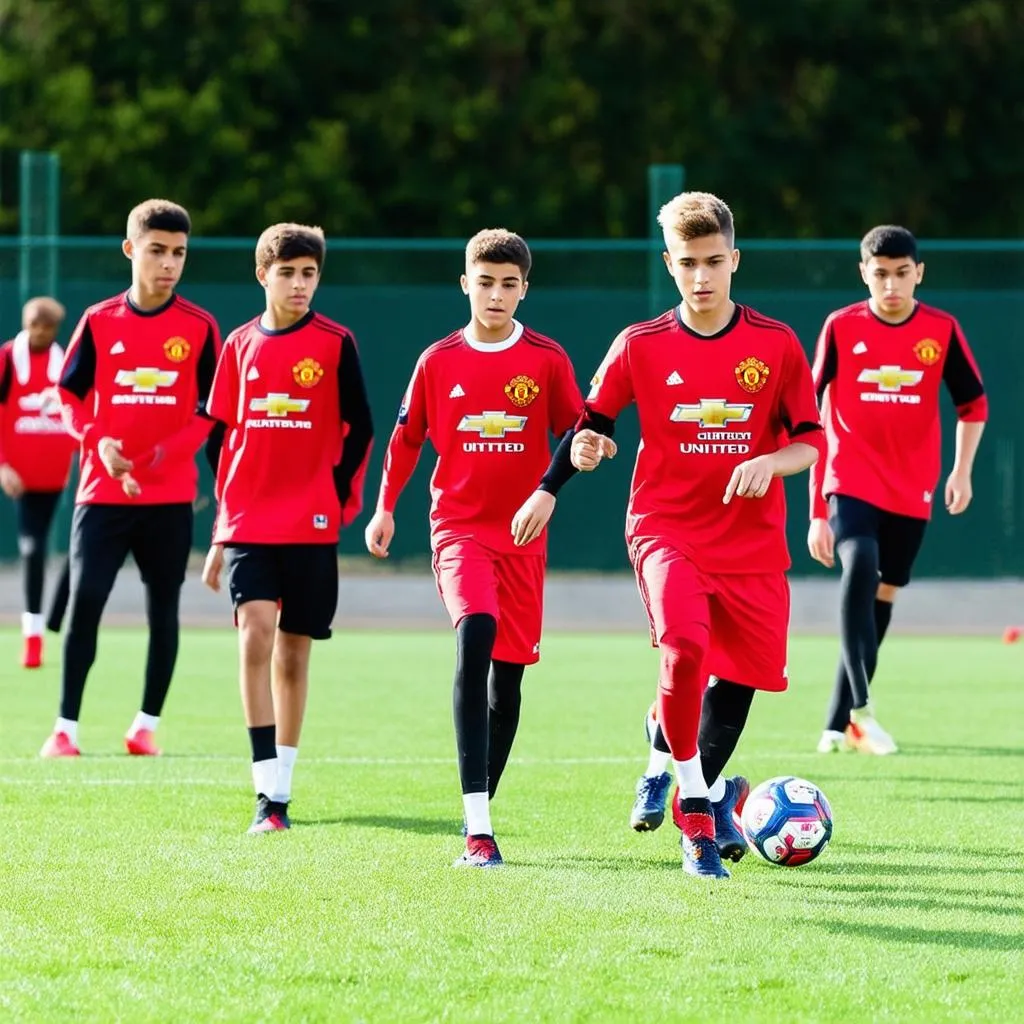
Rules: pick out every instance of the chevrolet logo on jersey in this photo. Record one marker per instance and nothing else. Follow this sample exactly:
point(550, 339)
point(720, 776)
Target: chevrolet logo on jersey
point(277, 404)
point(492, 424)
point(145, 380)
point(891, 378)
point(716, 413)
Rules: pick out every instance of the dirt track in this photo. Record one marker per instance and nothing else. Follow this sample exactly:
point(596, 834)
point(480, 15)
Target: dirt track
point(601, 603)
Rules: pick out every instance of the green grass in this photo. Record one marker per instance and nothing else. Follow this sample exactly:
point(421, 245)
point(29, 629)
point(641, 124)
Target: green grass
point(128, 890)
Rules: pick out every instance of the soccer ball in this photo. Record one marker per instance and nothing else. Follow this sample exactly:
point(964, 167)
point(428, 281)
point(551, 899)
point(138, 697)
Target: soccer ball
point(787, 821)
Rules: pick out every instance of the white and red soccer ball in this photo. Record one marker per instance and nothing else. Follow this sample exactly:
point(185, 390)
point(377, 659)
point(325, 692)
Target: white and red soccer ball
point(787, 821)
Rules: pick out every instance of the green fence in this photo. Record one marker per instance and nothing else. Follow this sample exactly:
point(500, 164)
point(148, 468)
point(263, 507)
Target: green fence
point(398, 296)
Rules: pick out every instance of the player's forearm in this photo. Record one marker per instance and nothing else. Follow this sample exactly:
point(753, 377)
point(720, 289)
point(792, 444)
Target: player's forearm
point(968, 438)
point(77, 419)
point(794, 458)
point(399, 462)
point(818, 504)
point(181, 445)
point(560, 470)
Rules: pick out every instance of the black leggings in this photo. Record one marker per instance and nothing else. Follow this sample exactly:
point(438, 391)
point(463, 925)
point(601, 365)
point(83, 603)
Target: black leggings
point(35, 511)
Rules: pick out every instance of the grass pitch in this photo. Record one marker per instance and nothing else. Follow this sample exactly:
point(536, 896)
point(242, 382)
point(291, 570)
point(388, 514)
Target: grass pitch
point(130, 891)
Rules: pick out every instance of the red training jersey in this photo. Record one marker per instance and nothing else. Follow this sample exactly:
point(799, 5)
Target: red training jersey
point(33, 438)
point(488, 410)
point(878, 387)
point(706, 404)
point(298, 433)
point(141, 377)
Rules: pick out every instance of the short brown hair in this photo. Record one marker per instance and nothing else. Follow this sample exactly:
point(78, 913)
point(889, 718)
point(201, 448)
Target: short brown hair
point(696, 215)
point(282, 242)
point(496, 245)
point(48, 309)
point(158, 215)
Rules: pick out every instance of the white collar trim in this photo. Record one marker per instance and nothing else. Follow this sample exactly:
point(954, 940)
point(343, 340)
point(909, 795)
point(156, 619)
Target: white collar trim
point(494, 346)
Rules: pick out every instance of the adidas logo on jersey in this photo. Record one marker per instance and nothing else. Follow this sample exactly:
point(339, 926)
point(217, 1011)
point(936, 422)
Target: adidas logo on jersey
point(457, 392)
point(117, 348)
point(860, 348)
point(674, 378)
point(253, 374)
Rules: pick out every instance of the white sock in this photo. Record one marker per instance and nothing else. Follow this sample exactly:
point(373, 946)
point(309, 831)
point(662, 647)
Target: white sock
point(834, 735)
point(716, 790)
point(264, 776)
point(71, 728)
point(690, 777)
point(285, 766)
point(658, 763)
point(478, 814)
point(144, 721)
point(31, 624)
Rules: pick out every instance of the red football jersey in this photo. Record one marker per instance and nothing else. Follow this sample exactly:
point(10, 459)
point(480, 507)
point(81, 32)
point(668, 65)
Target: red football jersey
point(878, 387)
point(706, 404)
point(141, 376)
point(33, 438)
point(488, 411)
point(298, 433)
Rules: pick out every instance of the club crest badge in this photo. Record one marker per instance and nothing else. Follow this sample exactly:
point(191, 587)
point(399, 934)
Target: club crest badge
point(177, 349)
point(928, 351)
point(522, 390)
point(307, 373)
point(752, 375)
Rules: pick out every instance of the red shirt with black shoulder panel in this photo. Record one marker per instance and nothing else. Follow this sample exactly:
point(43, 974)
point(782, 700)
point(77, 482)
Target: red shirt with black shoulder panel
point(706, 404)
point(298, 433)
point(143, 377)
point(489, 411)
point(878, 387)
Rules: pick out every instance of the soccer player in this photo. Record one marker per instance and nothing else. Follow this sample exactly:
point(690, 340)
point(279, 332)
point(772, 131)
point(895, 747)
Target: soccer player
point(726, 408)
point(133, 386)
point(487, 396)
point(877, 373)
point(35, 451)
point(289, 391)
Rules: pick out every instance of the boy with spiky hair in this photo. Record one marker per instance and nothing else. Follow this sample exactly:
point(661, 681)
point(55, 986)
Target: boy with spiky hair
point(133, 387)
point(289, 391)
point(878, 371)
point(726, 408)
point(488, 396)
point(35, 451)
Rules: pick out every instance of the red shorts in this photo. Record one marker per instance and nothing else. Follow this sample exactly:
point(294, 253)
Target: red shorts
point(741, 620)
point(473, 579)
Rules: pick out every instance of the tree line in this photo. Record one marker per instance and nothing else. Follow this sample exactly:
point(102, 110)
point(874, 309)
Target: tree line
point(814, 118)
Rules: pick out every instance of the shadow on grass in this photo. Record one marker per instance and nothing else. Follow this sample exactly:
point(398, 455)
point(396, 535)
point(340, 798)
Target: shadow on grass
point(423, 826)
point(571, 861)
point(958, 939)
point(905, 869)
point(917, 900)
point(957, 750)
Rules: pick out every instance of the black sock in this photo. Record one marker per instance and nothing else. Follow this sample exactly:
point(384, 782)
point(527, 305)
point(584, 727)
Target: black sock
point(34, 512)
point(59, 601)
point(723, 716)
point(842, 699)
point(263, 740)
point(504, 699)
point(658, 741)
point(474, 641)
point(79, 649)
point(859, 557)
point(33, 566)
point(162, 616)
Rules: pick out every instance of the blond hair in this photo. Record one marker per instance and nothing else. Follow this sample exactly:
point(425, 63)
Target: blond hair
point(696, 215)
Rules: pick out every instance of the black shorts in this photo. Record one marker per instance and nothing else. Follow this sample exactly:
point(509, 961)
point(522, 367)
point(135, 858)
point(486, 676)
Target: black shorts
point(158, 537)
point(899, 537)
point(301, 578)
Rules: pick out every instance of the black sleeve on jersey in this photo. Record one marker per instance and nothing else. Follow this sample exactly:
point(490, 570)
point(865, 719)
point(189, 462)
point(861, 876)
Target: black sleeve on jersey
point(214, 444)
point(829, 368)
point(959, 376)
point(79, 376)
point(355, 411)
point(206, 367)
point(5, 377)
point(561, 470)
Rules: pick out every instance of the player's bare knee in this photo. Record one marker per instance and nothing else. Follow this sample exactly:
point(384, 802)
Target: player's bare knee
point(887, 592)
point(256, 628)
point(291, 657)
